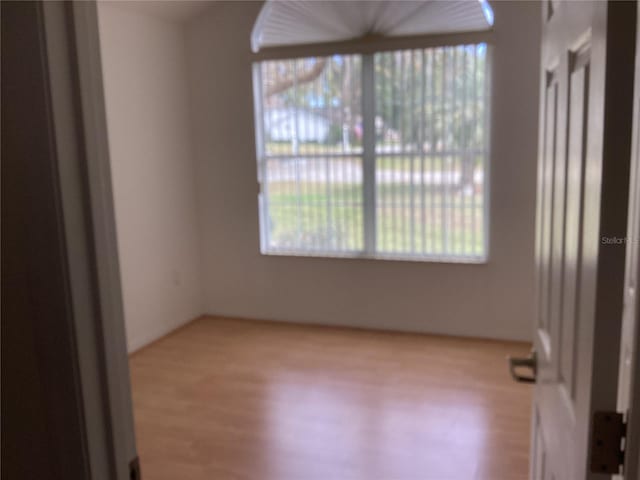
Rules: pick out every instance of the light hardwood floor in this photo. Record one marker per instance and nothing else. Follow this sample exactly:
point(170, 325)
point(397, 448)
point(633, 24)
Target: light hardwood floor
point(224, 399)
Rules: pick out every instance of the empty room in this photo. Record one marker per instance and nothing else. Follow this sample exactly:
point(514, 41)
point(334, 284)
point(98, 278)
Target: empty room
point(326, 217)
point(338, 240)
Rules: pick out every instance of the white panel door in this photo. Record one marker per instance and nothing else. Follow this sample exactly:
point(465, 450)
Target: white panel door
point(585, 118)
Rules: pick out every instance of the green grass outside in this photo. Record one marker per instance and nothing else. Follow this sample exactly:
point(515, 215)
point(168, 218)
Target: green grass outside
point(319, 218)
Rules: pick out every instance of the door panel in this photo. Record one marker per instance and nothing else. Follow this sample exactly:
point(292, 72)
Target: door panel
point(545, 200)
point(584, 133)
point(570, 322)
point(557, 216)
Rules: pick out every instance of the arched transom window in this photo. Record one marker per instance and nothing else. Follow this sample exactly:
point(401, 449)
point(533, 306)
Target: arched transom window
point(372, 122)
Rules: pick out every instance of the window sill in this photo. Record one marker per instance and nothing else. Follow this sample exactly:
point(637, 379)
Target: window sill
point(480, 260)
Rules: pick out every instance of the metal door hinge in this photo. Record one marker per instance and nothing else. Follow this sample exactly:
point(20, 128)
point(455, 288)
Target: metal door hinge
point(607, 442)
point(134, 469)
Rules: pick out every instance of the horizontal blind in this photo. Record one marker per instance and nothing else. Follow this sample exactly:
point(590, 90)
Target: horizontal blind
point(427, 170)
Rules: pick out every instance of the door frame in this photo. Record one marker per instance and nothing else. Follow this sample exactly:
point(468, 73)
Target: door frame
point(632, 468)
point(80, 148)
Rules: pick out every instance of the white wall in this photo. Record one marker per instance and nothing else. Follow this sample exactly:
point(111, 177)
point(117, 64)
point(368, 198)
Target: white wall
point(492, 300)
point(146, 92)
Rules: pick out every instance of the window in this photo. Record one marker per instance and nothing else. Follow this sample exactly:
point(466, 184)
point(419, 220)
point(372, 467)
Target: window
point(381, 156)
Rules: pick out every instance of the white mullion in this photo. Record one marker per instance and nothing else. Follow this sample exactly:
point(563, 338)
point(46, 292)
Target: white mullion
point(412, 221)
point(404, 128)
point(486, 147)
point(475, 143)
point(453, 194)
point(263, 193)
point(423, 207)
point(368, 154)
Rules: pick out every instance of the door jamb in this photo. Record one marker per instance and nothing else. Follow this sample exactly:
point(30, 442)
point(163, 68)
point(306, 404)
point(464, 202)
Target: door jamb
point(71, 36)
point(632, 447)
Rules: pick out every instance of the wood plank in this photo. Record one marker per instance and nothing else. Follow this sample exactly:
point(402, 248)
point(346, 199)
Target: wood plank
point(240, 399)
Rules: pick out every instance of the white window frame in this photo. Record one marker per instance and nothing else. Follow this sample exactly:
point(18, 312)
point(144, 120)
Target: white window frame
point(369, 163)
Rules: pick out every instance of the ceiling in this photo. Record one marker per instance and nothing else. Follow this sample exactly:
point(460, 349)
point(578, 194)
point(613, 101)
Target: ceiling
point(172, 10)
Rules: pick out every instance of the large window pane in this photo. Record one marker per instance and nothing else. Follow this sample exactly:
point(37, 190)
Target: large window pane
point(423, 166)
point(431, 151)
point(314, 204)
point(310, 157)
